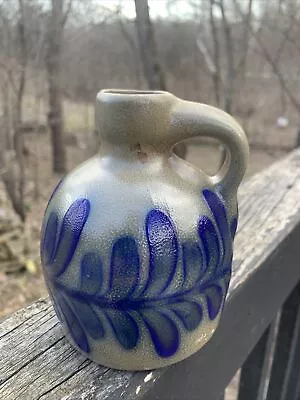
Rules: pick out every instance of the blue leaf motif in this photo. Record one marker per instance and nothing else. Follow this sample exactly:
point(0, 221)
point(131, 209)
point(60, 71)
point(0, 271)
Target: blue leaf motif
point(189, 312)
point(233, 227)
point(73, 324)
point(163, 250)
point(210, 240)
point(194, 264)
point(68, 236)
point(163, 331)
point(71, 228)
point(56, 306)
point(125, 328)
point(126, 298)
point(216, 205)
point(49, 242)
point(124, 269)
point(54, 191)
point(88, 318)
point(214, 299)
point(91, 272)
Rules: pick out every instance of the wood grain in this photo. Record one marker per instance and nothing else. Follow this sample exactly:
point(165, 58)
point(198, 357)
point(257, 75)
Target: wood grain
point(38, 363)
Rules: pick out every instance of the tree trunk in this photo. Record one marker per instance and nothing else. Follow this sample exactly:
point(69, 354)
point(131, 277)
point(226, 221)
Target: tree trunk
point(242, 65)
point(18, 201)
point(134, 51)
point(216, 73)
point(230, 78)
point(6, 101)
point(6, 136)
point(53, 65)
point(148, 52)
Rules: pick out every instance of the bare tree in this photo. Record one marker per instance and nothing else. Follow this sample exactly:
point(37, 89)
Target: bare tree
point(149, 56)
point(133, 48)
point(148, 52)
point(216, 73)
point(14, 67)
point(6, 136)
point(18, 136)
point(273, 62)
point(7, 80)
point(230, 75)
point(211, 57)
point(53, 65)
point(242, 63)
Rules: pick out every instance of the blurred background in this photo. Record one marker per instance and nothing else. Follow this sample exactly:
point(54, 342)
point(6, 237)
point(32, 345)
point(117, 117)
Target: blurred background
point(55, 55)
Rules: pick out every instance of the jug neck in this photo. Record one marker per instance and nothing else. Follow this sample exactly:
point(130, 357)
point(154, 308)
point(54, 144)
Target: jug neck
point(134, 121)
point(140, 154)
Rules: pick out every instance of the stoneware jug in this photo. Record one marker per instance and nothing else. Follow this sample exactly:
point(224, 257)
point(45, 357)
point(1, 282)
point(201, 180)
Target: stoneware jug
point(137, 243)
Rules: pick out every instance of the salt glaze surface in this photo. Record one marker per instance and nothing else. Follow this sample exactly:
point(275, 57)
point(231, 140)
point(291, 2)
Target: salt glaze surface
point(136, 243)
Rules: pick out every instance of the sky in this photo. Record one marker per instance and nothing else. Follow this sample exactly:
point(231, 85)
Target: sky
point(158, 8)
point(167, 8)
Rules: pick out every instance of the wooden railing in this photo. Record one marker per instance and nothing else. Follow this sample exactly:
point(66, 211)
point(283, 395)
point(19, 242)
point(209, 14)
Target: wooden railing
point(259, 330)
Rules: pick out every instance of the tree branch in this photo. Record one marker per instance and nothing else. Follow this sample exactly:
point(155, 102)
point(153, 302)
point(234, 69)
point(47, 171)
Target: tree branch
point(67, 12)
point(229, 89)
point(285, 34)
point(9, 74)
point(241, 66)
point(217, 78)
point(133, 48)
point(206, 54)
point(273, 64)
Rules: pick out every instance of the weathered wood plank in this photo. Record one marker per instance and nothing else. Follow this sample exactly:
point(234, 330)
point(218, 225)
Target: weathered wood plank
point(37, 363)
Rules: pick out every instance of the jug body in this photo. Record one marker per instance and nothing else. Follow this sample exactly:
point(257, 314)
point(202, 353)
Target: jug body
point(137, 248)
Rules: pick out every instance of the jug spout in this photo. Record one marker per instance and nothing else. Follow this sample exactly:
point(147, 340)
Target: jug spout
point(130, 118)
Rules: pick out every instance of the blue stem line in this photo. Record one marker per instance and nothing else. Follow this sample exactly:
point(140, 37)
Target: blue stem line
point(140, 303)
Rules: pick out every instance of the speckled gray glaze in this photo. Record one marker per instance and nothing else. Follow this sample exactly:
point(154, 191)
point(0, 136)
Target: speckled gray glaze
point(136, 242)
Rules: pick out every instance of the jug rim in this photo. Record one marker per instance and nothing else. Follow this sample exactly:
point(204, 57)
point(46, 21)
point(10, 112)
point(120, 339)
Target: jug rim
point(132, 92)
point(132, 95)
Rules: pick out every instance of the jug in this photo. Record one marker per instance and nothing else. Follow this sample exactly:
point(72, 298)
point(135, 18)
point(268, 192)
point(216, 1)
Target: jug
point(136, 242)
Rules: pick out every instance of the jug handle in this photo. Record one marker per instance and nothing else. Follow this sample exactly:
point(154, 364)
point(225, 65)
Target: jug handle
point(189, 119)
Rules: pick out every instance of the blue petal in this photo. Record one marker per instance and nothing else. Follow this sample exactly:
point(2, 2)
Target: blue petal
point(216, 205)
point(76, 331)
point(54, 191)
point(163, 249)
point(163, 331)
point(210, 241)
point(125, 328)
point(91, 273)
point(124, 269)
point(55, 304)
point(189, 312)
point(233, 227)
point(194, 266)
point(71, 228)
point(49, 239)
point(225, 280)
point(214, 299)
point(88, 318)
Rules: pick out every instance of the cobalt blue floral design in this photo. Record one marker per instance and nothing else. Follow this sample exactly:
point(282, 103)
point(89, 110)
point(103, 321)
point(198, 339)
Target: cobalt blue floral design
point(93, 309)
